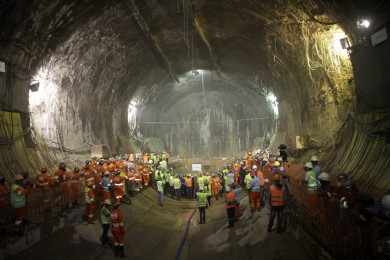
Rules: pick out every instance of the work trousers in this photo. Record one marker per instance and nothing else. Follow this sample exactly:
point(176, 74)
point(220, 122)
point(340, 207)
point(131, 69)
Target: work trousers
point(276, 211)
point(202, 215)
point(189, 192)
point(255, 200)
point(209, 200)
point(160, 198)
point(231, 214)
point(104, 238)
point(177, 193)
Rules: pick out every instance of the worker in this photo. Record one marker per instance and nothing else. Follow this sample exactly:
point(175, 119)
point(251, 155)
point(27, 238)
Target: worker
point(316, 165)
point(249, 161)
point(237, 190)
point(90, 201)
point(201, 197)
point(312, 185)
point(200, 182)
point(105, 220)
point(207, 188)
point(275, 168)
point(43, 183)
point(76, 186)
point(67, 189)
point(324, 180)
point(18, 200)
point(215, 186)
point(146, 176)
point(255, 193)
point(177, 187)
point(160, 190)
point(283, 153)
point(171, 184)
point(188, 182)
point(277, 203)
point(310, 177)
point(242, 173)
point(118, 230)
point(231, 201)
point(106, 186)
point(119, 186)
point(260, 175)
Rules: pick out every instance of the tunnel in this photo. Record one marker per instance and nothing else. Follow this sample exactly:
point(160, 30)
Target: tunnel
point(204, 82)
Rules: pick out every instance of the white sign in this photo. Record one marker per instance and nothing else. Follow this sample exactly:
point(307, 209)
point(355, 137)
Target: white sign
point(2, 66)
point(196, 167)
point(379, 37)
point(299, 142)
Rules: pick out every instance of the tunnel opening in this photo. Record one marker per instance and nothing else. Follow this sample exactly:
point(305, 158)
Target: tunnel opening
point(207, 115)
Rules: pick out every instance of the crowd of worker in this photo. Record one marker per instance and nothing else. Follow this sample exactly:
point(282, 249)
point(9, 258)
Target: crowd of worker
point(101, 186)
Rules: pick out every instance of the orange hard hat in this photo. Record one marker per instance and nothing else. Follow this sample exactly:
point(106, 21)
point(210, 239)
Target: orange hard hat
point(18, 177)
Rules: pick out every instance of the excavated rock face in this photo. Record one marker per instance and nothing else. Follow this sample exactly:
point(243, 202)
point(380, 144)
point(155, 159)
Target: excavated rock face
point(101, 56)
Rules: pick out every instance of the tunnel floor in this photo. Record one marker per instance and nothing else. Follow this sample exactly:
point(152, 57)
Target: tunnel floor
point(154, 232)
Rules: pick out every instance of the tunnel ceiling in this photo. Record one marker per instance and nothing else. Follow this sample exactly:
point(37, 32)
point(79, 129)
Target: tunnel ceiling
point(100, 54)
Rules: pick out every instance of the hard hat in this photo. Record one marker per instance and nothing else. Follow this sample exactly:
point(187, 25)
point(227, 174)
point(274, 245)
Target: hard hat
point(276, 177)
point(254, 167)
point(276, 164)
point(309, 165)
point(386, 202)
point(265, 159)
point(18, 177)
point(107, 202)
point(44, 170)
point(280, 159)
point(324, 176)
point(314, 158)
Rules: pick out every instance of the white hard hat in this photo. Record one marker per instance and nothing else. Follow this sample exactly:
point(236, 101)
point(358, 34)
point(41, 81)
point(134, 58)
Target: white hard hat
point(309, 165)
point(280, 159)
point(254, 167)
point(314, 158)
point(386, 202)
point(324, 176)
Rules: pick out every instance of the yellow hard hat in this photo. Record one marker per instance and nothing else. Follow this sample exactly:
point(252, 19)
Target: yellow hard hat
point(276, 177)
point(276, 163)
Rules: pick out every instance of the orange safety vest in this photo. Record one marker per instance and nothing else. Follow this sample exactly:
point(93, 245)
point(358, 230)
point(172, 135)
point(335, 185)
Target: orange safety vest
point(43, 180)
point(230, 199)
point(276, 196)
point(117, 218)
